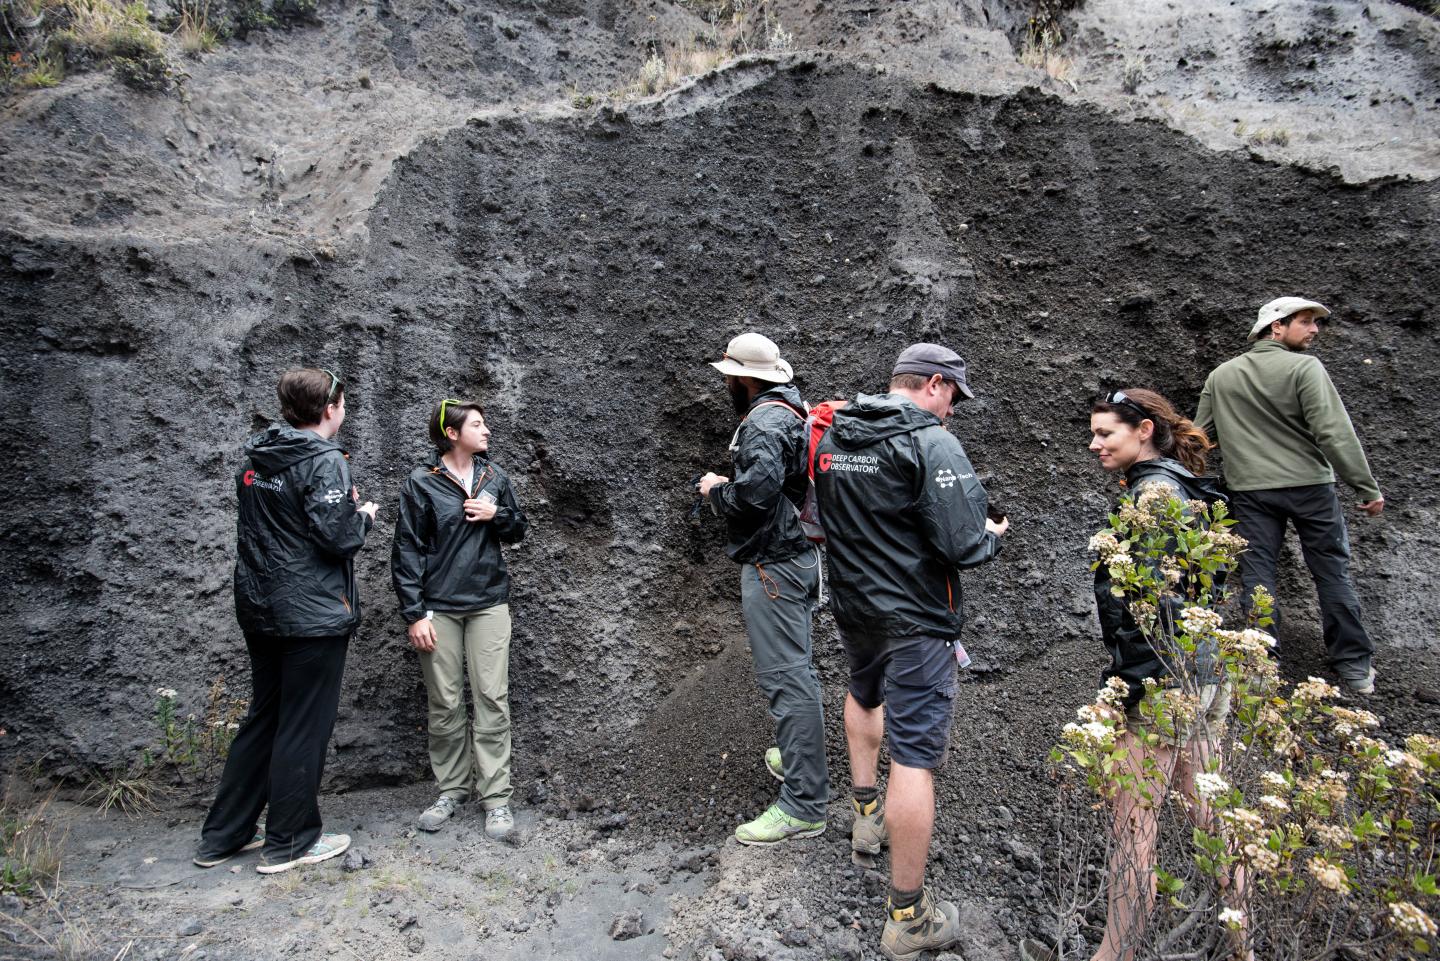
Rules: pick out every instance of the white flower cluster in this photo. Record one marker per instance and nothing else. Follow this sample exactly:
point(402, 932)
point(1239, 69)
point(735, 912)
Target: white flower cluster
point(1403, 762)
point(1210, 784)
point(1243, 821)
point(1313, 689)
point(1261, 858)
point(1199, 620)
point(1330, 875)
point(1348, 723)
point(1331, 835)
point(1154, 497)
point(1114, 692)
point(1409, 919)
point(1274, 803)
point(1275, 780)
point(1232, 918)
point(1095, 735)
point(166, 692)
point(1105, 544)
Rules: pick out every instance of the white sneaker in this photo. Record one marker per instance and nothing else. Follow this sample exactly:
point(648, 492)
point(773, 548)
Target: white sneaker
point(499, 822)
point(329, 846)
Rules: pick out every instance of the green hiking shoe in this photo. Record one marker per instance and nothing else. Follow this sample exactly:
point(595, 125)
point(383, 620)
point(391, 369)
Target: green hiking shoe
point(774, 764)
point(867, 833)
point(775, 826)
point(926, 925)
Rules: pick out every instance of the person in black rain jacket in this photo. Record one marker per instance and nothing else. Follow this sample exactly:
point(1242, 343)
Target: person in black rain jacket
point(454, 591)
point(903, 512)
point(299, 528)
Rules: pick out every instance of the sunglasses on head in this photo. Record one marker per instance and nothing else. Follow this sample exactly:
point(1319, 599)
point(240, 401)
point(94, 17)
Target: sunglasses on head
point(334, 382)
point(1119, 397)
point(446, 403)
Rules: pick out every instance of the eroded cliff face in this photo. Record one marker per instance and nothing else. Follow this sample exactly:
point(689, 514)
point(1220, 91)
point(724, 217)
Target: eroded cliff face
point(574, 269)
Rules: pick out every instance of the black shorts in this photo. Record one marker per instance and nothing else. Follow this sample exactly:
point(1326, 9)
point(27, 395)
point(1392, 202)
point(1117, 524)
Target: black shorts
point(915, 678)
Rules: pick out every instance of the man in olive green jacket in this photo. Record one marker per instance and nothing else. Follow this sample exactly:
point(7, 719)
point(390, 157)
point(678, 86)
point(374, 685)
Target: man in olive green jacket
point(1285, 436)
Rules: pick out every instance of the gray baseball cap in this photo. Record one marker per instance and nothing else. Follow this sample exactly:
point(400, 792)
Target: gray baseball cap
point(928, 359)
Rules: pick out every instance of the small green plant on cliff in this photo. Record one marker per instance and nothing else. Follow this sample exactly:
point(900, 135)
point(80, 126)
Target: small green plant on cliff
point(1304, 836)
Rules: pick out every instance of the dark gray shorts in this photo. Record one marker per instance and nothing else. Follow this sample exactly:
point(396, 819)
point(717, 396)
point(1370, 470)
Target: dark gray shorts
point(915, 678)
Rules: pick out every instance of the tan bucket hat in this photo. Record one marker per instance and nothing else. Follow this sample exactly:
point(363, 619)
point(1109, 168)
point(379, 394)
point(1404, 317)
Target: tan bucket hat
point(754, 355)
point(1283, 307)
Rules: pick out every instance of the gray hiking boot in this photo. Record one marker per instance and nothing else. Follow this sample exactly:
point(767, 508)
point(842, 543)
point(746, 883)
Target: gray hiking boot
point(435, 816)
point(926, 925)
point(1359, 683)
point(499, 823)
point(867, 833)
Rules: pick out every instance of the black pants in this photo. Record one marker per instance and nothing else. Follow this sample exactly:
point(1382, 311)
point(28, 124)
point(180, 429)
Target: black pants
point(278, 754)
point(1319, 520)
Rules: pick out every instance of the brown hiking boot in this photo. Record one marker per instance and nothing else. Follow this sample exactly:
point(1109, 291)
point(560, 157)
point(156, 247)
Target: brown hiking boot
point(867, 833)
point(926, 925)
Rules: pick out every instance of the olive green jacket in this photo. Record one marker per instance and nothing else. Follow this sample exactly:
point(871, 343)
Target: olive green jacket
point(1280, 423)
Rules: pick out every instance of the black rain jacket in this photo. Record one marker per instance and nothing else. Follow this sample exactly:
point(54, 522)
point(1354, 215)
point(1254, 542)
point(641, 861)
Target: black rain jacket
point(903, 511)
point(440, 561)
point(298, 530)
point(1132, 658)
point(761, 503)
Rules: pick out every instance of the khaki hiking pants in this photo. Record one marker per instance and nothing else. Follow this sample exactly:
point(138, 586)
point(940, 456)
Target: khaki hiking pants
point(473, 763)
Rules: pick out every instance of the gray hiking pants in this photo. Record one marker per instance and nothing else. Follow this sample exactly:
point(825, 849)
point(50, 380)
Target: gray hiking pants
point(778, 600)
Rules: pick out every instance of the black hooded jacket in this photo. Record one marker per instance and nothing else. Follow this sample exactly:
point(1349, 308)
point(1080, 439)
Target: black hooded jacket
point(440, 561)
point(761, 503)
point(1132, 658)
point(297, 531)
point(903, 511)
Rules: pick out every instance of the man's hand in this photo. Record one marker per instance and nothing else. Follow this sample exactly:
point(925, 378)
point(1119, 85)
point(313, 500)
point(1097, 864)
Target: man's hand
point(479, 509)
point(1373, 508)
point(371, 508)
point(422, 635)
point(998, 528)
point(709, 482)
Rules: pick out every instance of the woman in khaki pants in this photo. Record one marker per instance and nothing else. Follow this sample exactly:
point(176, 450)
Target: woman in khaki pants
point(454, 592)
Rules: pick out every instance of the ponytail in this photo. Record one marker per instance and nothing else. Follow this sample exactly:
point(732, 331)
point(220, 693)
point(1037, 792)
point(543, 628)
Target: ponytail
point(1175, 436)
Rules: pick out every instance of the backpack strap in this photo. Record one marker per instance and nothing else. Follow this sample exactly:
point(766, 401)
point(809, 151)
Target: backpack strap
point(775, 403)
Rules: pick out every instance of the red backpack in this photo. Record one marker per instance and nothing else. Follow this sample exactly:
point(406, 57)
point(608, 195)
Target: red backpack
point(822, 415)
point(817, 421)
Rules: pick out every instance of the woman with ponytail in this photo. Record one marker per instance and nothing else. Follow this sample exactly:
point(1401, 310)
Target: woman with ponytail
point(1139, 435)
point(454, 589)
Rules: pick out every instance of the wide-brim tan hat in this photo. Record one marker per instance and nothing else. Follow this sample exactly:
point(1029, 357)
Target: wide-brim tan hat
point(754, 355)
point(1279, 309)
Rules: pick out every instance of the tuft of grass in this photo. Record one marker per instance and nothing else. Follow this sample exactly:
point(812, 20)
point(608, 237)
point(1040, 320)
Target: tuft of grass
point(1040, 50)
point(29, 847)
point(120, 791)
point(1262, 136)
point(195, 33)
point(1132, 74)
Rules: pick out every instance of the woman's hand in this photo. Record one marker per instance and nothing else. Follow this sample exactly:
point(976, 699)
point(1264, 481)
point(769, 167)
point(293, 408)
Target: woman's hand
point(479, 509)
point(422, 635)
point(997, 528)
point(371, 508)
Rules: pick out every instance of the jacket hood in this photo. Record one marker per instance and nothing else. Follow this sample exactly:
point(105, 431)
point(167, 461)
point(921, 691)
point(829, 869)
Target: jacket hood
point(871, 418)
point(280, 446)
point(786, 392)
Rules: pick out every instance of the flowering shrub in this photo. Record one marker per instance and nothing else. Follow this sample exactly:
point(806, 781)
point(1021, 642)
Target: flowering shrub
point(1305, 832)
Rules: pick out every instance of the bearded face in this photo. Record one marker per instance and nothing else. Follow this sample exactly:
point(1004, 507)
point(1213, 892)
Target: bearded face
point(739, 394)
